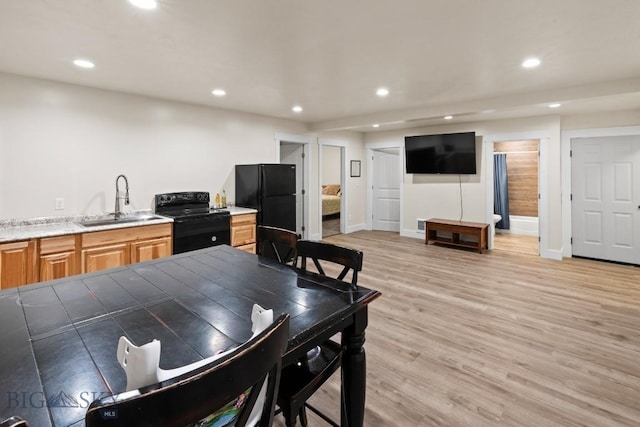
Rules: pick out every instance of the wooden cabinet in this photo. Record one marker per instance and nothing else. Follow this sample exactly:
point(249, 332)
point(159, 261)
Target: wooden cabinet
point(115, 248)
point(243, 232)
point(50, 258)
point(473, 235)
point(147, 250)
point(18, 263)
point(59, 257)
point(103, 257)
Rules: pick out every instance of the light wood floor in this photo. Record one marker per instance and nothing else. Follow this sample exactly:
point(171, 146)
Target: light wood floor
point(495, 339)
point(330, 226)
point(516, 243)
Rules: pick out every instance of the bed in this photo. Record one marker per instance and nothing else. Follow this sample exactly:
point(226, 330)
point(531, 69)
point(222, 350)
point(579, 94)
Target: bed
point(330, 200)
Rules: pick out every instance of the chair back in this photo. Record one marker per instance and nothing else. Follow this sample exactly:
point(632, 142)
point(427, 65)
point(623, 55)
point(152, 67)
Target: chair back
point(277, 243)
point(225, 389)
point(350, 259)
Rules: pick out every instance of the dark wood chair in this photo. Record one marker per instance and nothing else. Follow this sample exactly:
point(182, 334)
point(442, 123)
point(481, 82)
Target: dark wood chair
point(14, 422)
point(349, 259)
point(301, 380)
point(227, 388)
point(277, 243)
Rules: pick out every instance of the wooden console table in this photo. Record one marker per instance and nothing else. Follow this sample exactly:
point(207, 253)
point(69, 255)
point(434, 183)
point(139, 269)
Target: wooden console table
point(455, 233)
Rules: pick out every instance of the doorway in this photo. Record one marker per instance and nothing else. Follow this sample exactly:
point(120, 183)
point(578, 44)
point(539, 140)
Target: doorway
point(543, 161)
point(605, 203)
point(292, 149)
point(516, 194)
point(331, 191)
point(386, 189)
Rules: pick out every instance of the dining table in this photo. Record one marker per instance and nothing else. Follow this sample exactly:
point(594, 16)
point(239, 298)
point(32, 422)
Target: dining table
point(59, 338)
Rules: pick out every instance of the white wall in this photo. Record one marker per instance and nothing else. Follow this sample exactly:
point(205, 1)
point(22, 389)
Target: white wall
point(66, 141)
point(438, 196)
point(354, 191)
point(429, 196)
point(330, 165)
point(601, 120)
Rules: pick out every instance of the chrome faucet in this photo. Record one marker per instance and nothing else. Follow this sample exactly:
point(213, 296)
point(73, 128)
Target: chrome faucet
point(117, 213)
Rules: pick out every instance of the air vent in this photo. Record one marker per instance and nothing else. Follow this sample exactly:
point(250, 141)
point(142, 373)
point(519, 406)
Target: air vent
point(421, 224)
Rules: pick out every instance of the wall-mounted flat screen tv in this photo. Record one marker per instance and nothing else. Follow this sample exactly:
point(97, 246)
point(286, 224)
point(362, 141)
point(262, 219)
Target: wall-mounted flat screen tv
point(448, 153)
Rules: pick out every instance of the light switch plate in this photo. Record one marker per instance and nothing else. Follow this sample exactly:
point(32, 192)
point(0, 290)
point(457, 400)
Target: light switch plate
point(59, 204)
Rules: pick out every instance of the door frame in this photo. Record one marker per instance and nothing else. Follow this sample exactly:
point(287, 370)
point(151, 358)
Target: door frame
point(306, 141)
point(343, 182)
point(543, 202)
point(371, 147)
point(566, 140)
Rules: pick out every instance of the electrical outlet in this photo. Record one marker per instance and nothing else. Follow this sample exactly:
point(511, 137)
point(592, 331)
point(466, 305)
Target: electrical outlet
point(59, 204)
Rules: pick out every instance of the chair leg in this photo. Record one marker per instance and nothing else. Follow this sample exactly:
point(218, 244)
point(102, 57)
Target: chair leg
point(303, 416)
point(289, 421)
point(290, 418)
point(323, 416)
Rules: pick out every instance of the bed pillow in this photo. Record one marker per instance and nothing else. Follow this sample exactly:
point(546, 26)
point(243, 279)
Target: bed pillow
point(331, 190)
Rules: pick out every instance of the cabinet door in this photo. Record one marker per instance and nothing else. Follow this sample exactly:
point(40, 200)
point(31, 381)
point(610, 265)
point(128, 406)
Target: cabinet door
point(251, 248)
point(146, 250)
point(18, 264)
point(58, 257)
point(243, 234)
point(57, 266)
point(101, 258)
point(243, 229)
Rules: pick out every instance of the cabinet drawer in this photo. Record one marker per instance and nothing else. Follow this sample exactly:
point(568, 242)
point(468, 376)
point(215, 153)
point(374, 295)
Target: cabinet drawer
point(243, 234)
point(51, 245)
point(109, 237)
point(243, 219)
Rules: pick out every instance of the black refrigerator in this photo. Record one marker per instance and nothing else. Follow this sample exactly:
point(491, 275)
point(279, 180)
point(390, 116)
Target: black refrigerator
point(271, 189)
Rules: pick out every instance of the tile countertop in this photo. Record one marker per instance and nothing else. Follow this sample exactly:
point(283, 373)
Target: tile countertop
point(36, 228)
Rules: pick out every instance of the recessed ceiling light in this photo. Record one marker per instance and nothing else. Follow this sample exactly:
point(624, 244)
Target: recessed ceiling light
point(531, 63)
point(448, 117)
point(297, 109)
point(382, 92)
point(144, 4)
point(219, 92)
point(83, 63)
point(375, 125)
point(556, 105)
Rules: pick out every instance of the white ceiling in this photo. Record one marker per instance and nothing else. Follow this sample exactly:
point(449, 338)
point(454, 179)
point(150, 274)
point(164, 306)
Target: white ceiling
point(437, 57)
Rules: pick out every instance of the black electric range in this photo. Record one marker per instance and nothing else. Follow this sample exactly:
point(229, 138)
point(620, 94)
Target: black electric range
point(195, 224)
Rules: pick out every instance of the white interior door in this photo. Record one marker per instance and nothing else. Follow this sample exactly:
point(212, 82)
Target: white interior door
point(386, 190)
point(294, 154)
point(605, 207)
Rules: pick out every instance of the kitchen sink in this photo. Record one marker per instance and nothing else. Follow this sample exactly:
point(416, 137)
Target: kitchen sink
point(123, 220)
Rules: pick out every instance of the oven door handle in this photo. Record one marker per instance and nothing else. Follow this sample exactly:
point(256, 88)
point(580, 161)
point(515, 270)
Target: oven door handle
point(201, 220)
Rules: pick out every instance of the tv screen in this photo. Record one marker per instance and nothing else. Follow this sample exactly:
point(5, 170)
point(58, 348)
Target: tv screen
point(448, 153)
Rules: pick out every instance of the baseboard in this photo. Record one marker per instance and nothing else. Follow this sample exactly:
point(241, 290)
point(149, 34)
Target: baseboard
point(354, 228)
point(552, 254)
point(413, 233)
point(316, 236)
point(519, 232)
